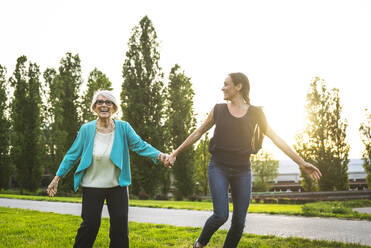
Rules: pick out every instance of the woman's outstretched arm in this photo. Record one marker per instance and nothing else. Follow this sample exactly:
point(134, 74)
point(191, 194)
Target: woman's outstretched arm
point(193, 137)
point(69, 160)
point(312, 171)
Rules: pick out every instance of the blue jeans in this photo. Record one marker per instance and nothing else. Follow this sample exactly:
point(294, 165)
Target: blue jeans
point(239, 179)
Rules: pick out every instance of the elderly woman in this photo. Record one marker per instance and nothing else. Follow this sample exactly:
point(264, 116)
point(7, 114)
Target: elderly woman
point(103, 147)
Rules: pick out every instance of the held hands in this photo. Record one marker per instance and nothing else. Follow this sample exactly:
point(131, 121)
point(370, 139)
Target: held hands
point(312, 171)
point(52, 188)
point(166, 159)
point(172, 159)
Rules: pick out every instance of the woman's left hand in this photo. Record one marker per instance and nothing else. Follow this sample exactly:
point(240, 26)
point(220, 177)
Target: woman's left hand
point(163, 157)
point(312, 171)
point(52, 188)
point(171, 159)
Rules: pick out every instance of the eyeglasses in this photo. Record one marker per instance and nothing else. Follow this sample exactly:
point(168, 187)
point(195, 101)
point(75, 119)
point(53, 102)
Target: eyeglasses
point(107, 102)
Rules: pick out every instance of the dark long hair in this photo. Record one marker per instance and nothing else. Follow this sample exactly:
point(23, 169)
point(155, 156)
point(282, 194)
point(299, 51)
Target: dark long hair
point(240, 78)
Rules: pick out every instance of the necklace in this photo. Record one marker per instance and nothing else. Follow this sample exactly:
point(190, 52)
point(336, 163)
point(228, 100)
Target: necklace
point(108, 129)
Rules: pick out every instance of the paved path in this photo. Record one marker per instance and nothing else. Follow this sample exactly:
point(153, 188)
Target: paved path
point(349, 231)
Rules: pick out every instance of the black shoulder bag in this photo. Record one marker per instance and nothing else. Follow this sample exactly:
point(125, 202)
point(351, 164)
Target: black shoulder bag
point(257, 138)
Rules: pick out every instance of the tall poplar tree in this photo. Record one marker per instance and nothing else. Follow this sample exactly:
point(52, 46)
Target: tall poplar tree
point(202, 158)
point(26, 122)
point(365, 130)
point(97, 81)
point(64, 102)
point(181, 123)
point(323, 141)
point(142, 101)
point(5, 166)
point(52, 115)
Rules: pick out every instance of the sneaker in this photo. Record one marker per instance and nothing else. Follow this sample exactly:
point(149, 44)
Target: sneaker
point(196, 242)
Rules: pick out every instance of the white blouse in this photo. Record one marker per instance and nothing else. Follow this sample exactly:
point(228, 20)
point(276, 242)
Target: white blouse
point(102, 173)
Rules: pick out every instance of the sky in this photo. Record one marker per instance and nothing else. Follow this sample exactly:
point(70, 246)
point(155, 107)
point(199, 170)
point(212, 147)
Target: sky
point(280, 45)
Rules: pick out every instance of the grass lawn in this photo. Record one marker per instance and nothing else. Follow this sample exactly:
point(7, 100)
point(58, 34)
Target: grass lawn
point(340, 209)
point(33, 229)
point(318, 209)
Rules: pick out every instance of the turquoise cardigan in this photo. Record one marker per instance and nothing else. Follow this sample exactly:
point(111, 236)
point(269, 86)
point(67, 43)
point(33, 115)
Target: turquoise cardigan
point(125, 139)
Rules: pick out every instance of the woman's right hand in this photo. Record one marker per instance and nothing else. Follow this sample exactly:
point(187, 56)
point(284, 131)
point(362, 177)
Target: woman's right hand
point(312, 171)
point(52, 188)
point(171, 159)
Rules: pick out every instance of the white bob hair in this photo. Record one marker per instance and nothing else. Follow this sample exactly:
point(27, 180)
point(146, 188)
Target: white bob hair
point(107, 94)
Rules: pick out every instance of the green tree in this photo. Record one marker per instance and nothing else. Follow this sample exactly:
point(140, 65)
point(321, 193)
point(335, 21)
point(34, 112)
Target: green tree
point(181, 123)
point(64, 106)
point(365, 130)
point(5, 166)
point(142, 101)
point(322, 143)
point(97, 81)
point(202, 158)
point(264, 169)
point(53, 136)
point(26, 121)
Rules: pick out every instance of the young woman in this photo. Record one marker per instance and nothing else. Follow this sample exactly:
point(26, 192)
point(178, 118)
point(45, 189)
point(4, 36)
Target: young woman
point(230, 150)
point(103, 147)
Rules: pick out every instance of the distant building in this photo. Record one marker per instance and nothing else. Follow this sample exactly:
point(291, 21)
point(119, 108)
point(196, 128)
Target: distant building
point(289, 176)
point(357, 175)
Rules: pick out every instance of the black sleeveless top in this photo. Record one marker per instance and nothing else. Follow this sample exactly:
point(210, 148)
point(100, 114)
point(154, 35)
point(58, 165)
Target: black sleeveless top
point(231, 143)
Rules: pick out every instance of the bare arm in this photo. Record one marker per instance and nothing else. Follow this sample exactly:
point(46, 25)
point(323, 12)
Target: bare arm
point(308, 168)
point(193, 137)
point(52, 188)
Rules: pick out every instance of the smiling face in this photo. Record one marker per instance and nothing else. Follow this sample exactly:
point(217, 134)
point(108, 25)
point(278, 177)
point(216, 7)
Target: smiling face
point(230, 90)
point(104, 107)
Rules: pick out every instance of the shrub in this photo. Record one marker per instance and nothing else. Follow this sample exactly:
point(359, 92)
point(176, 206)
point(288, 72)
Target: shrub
point(179, 198)
point(194, 198)
point(286, 201)
point(162, 197)
point(257, 200)
point(143, 196)
point(271, 200)
point(325, 208)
